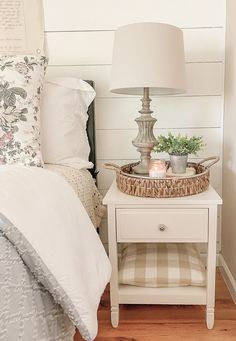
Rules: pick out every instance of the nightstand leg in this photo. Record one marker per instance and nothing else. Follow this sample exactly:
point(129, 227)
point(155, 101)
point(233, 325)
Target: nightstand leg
point(210, 317)
point(113, 255)
point(211, 267)
point(115, 316)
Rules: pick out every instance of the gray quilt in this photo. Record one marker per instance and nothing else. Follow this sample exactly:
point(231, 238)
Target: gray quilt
point(27, 310)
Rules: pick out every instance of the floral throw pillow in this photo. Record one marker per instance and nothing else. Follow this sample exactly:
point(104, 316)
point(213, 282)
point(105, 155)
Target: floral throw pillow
point(21, 79)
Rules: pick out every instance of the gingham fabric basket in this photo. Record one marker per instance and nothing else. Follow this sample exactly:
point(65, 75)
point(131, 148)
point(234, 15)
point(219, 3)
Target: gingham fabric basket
point(169, 187)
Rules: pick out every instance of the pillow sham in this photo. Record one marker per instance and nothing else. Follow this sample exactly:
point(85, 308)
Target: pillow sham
point(21, 79)
point(64, 106)
point(161, 265)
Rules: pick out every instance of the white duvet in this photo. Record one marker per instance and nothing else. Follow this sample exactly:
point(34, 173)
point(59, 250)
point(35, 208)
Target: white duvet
point(45, 209)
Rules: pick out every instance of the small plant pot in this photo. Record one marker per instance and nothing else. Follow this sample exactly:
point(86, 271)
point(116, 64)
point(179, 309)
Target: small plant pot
point(178, 163)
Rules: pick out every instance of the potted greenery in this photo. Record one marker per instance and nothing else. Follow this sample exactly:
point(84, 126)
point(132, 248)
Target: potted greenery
point(178, 147)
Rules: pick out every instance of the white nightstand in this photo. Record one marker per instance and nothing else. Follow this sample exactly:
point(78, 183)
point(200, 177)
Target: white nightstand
point(184, 219)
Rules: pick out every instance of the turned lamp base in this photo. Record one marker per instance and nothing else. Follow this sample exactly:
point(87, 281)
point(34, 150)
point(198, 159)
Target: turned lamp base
point(145, 140)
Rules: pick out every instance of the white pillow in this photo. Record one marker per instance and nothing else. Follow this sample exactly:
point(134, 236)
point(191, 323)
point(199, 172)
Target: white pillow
point(21, 79)
point(64, 106)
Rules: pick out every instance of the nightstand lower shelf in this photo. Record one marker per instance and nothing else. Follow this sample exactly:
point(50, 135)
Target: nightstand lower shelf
point(129, 294)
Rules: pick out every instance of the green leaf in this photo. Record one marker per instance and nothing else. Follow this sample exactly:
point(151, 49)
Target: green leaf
point(178, 145)
point(6, 85)
point(19, 91)
point(9, 98)
point(24, 111)
point(23, 118)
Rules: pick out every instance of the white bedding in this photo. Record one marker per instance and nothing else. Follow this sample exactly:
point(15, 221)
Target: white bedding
point(46, 210)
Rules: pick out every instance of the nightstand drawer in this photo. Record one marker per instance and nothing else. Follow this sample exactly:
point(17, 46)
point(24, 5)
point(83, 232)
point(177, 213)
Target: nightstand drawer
point(160, 225)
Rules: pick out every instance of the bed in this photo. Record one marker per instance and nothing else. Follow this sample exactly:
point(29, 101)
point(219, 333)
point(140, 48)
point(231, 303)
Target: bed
point(53, 267)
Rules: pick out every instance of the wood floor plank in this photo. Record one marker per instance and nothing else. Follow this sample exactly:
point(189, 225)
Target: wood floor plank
point(169, 322)
point(171, 331)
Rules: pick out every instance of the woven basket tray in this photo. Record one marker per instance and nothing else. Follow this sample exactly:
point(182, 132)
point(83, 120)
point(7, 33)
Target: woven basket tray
point(169, 187)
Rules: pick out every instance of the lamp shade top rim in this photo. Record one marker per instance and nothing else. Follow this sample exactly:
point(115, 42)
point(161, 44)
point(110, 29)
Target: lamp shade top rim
point(147, 23)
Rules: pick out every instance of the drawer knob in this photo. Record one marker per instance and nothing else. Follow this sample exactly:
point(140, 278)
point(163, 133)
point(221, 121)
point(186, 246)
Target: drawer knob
point(162, 227)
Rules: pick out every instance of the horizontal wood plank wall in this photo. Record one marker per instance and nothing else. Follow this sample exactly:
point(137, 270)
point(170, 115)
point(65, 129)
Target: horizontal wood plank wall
point(80, 38)
point(67, 15)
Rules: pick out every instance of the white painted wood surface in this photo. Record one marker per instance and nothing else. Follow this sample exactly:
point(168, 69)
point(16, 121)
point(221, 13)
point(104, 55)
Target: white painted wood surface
point(80, 36)
point(109, 14)
point(211, 266)
point(133, 219)
point(200, 246)
point(114, 302)
point(122, 148)
point(179, 295)
point(201, 45)
point(170, 112)
point(114, 195)
point(157, 225)
point(201, 78)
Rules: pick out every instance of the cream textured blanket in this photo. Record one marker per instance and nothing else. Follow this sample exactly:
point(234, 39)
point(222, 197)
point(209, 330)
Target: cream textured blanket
point(83, 184)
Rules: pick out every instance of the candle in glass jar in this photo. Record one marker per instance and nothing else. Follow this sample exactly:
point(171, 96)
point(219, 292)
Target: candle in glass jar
point(157, 169)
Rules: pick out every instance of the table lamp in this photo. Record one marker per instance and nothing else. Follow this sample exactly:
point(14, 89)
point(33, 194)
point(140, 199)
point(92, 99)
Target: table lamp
point(148, 58)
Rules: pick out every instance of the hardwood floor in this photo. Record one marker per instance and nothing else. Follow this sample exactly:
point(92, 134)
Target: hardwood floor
point(169, 323)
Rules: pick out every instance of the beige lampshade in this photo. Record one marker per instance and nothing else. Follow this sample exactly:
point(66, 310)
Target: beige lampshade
point(148, 55)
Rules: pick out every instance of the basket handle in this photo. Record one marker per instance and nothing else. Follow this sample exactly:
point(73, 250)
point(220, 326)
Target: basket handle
point(112, 166)
point(214, 158)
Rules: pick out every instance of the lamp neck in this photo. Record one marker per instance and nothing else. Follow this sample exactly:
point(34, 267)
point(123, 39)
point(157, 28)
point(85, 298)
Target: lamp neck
point(146, 92)
point(145, 102)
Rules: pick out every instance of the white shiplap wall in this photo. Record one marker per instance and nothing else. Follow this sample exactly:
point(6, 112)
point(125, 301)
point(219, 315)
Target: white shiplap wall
point(80, 38)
